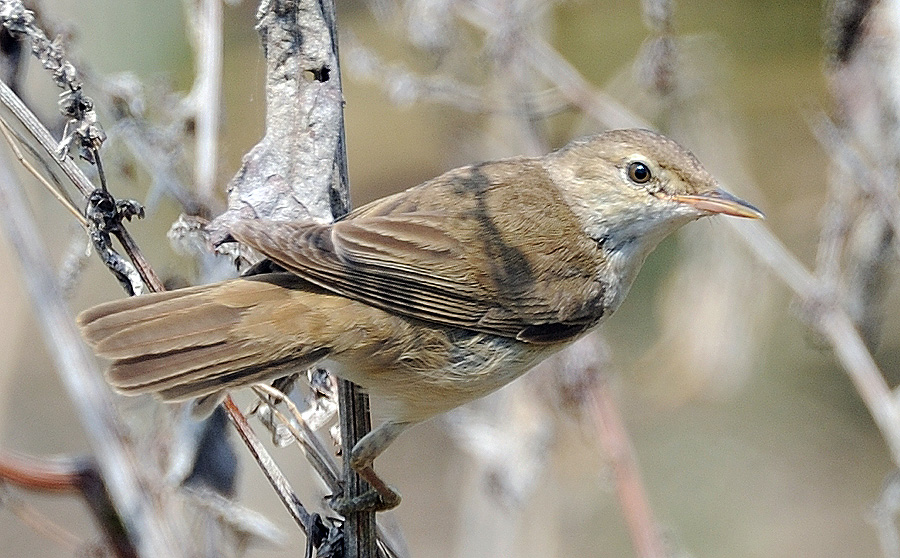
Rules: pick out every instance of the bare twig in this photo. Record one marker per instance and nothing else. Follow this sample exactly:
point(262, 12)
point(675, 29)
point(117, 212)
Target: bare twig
point(39, 132)
point(314, 526)
point(593, 102)
point(298, 170)
point(404, 87)
point(633, 500)
point(834, 323)
point(359, 529)
point(157, 146)
point(60, 196)
point(63, 476)
point(81, 130)
point(311, 524)
point(317, 454)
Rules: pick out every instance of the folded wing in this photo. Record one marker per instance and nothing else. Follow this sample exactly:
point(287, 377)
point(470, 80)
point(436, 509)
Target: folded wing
point(461, 250)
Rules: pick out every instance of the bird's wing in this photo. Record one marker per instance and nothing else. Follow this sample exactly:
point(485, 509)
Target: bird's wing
point(477, 249)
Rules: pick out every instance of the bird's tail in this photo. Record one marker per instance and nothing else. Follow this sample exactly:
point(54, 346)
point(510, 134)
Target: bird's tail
point(197, 341)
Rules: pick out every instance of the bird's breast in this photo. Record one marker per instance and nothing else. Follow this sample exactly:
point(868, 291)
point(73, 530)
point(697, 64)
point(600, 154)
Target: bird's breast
point(438, 368)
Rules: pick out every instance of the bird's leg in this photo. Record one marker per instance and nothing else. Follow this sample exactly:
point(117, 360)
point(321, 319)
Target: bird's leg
point(381, 497)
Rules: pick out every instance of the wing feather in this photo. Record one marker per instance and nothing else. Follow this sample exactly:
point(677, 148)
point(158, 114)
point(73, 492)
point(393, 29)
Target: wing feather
point(461, 250)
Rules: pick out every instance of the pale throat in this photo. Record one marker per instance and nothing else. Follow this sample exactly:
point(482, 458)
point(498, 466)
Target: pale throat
point(627, 238)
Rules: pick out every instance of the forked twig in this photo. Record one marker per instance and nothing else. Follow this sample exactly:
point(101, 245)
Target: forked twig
point(40, 133)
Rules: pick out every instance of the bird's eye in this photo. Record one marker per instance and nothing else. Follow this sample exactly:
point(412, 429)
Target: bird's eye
point(639, 173)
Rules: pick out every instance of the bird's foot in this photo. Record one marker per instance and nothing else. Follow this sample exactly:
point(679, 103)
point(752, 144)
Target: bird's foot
point(365, 502)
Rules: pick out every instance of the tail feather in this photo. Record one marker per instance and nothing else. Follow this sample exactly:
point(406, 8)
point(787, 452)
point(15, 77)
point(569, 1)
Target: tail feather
point(189, 343)
point(206, 325)
point(100, 321)
point(228, 377)
point(156, 372)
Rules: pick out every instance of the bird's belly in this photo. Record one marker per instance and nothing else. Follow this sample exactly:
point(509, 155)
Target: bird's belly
point(443, 369)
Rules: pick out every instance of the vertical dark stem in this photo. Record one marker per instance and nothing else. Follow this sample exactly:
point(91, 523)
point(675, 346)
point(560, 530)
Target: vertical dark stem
point(359, 528)
point(285, 176)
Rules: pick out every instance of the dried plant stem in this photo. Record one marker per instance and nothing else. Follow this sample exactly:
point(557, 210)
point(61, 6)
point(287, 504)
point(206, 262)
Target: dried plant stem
point(207, 90)
point(318, 456)
point(884, 513)
point(546, 61)
point(60, 197)
point(316, 453)
point(299, 169)
point(58, 476)
point(835, 324)
point(150, 278)
point(121, 470)
point(571, 84)
point(279, 482)
point(148, 275)
point(856, 359)
point(50, 146)
point(359, 529)
point(40, 133)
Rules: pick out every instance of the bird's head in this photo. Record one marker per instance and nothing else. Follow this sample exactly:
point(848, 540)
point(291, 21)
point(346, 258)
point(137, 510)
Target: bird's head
point(632, 188)
point(627, 183)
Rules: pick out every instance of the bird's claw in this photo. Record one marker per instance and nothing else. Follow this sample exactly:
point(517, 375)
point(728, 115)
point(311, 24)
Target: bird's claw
point(371, 501)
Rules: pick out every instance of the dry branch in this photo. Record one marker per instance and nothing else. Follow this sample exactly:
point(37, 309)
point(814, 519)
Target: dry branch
point(122, 472)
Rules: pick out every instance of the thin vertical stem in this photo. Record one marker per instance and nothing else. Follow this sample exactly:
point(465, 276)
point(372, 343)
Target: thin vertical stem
point(356, 422)
point(636, 510)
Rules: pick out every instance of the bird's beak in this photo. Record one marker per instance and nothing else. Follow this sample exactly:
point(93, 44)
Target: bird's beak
point(720, 201)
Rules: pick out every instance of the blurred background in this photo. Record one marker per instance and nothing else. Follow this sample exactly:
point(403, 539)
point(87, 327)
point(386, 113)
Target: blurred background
point(750, 437)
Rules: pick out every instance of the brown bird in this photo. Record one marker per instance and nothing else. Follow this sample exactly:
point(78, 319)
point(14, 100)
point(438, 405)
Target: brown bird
point(428, 298)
